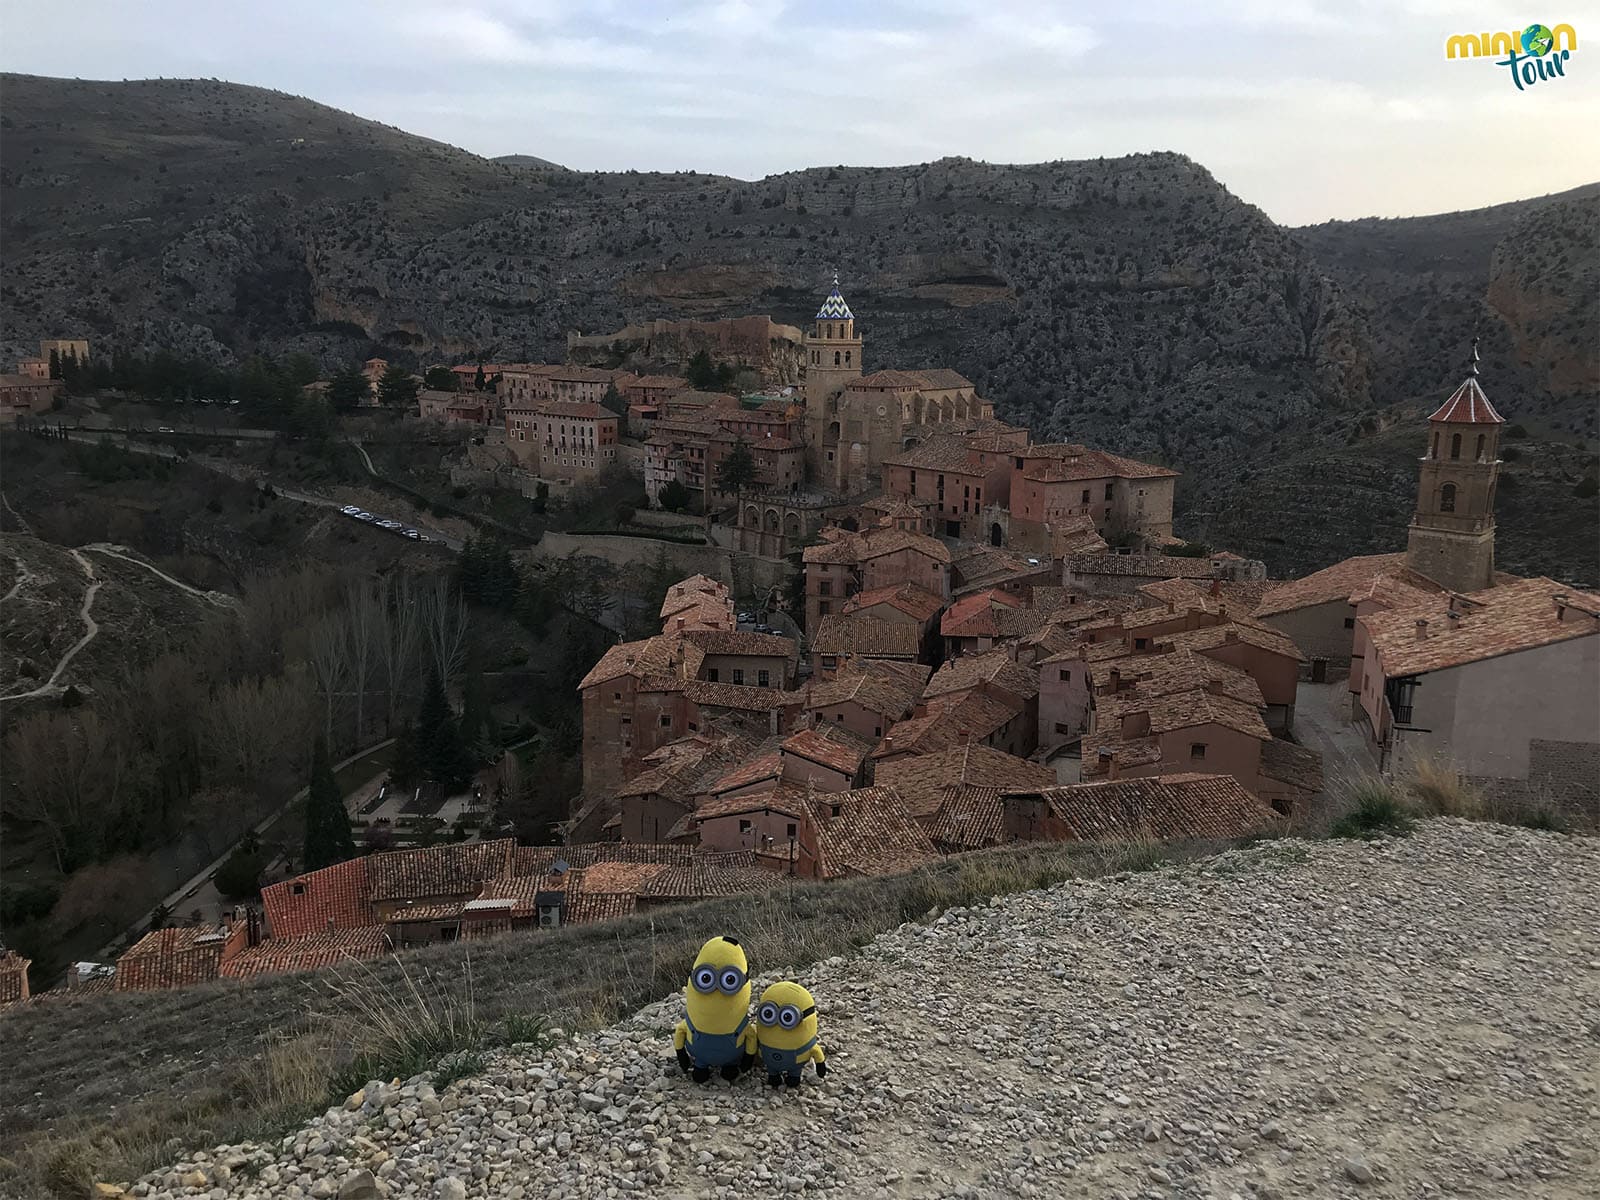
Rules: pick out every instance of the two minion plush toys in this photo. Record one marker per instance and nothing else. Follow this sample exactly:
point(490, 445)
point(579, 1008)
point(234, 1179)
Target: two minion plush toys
point(717, 1033)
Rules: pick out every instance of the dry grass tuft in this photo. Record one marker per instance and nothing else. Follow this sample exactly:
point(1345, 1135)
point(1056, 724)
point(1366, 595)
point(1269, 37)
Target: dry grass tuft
point(1436, 789)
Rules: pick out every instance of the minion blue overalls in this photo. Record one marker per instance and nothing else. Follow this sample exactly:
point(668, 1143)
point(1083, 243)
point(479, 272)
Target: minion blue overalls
point(785, 1062)
point(716, 1049)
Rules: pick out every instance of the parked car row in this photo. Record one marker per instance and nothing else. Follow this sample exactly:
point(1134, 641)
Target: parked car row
point(393, 526)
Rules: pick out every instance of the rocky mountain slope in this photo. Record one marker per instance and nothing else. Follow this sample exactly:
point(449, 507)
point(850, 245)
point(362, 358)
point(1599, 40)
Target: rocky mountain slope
point(1341, 1019)
point(1130, 302)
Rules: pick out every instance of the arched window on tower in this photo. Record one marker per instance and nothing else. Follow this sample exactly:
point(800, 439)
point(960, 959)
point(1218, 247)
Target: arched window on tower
point(1447, 497)
point(1435, 436)
point(847, 363)
point(836, 358)
point(1455, 445)
point(1481, 440)
point(830, 329)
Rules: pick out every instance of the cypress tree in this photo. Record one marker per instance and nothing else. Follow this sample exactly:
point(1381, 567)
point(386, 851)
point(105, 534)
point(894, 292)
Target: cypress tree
point(329, 839)
point(442, 753)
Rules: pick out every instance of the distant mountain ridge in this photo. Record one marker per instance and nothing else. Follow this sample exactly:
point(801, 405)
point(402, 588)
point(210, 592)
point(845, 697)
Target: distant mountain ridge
point(1130, 302)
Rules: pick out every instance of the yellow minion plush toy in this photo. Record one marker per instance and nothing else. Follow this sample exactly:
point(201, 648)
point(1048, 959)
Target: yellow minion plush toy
point(716, 1033)
point(786, 1033)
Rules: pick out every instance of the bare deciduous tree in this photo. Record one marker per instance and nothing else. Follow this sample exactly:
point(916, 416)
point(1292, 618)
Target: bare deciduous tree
point(363, 606)
point(398, 641)
point(444, 625)
point(329, 656)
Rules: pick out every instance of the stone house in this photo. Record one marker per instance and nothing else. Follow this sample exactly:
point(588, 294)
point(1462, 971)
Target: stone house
point(562, 441)
point(1054, 484)
point(1176, 807)
point(923, 780)
point(962, 475)
point(745, 659)
point(867, 695)
point(845, 563)
point(13, 977)
point(26, 396)
point(1499, 683)
point(181, 957)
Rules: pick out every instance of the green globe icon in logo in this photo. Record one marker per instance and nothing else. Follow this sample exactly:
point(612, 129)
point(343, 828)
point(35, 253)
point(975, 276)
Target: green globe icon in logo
point(1537, 40)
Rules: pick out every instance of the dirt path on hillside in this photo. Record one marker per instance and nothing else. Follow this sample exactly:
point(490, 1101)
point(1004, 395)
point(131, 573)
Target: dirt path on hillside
point(220, 599)
point(50, 687)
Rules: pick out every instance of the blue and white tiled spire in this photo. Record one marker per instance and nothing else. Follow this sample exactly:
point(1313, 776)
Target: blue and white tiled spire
point(834, 308)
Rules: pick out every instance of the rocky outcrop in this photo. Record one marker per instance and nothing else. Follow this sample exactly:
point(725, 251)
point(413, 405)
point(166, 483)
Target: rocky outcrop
point(774, 351)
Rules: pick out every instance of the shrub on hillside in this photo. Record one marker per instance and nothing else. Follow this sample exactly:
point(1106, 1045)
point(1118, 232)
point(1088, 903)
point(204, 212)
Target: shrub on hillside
point(239, 877)
point(1376, 809)
point(1437, 789)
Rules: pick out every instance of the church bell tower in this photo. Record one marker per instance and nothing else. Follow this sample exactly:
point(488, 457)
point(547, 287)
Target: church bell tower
point(1451, 539)
point(833, 358)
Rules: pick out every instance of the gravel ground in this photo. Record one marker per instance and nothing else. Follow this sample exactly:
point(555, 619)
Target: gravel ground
point(1410, 1018)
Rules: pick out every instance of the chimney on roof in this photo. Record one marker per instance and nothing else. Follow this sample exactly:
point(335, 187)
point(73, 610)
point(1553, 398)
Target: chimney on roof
point(1561, 605)
point(1116, 679)
point(1108, 763)
point(1216, 587)
point(1214, 686)
point(1422, 628)
point(1170, 607)
point(1230, 635)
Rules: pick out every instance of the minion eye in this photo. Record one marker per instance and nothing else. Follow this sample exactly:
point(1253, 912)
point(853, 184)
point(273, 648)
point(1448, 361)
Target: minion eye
point(705, 979)
point(768, 1014)
point(732, 981)
point(789, 1017)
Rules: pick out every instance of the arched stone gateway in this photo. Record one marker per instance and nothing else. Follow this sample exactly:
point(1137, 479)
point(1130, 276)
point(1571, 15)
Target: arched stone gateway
point(771, 524)
point(997, 536)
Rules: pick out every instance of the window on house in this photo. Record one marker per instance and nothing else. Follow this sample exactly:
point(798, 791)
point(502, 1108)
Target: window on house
point(791, 829)
point(1140, 643)
point(1349, 622)
point(836, 358)
point(829, 661)
point(1197, 750)
point(1455, 445)
point(1108, 491)
point(738, 675)
point(666, 722)
point(627, 720)
point(824, 608)
point(877, 731)
point(1061, 727)
point(838, 717)
point(763, 679)
point(1066, 676)
point(825, 588)
point(616, 695)
point(711, 674)
point(298, 889)
point(1086, 495)
point(744, 826)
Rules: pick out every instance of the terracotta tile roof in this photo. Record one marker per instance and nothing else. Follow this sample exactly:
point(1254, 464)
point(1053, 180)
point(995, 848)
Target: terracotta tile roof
point(664, 654)
point(699, 614)
point(868, 831)
point(276, 956)
point(736, 696)
point(438, 871)
point(892, 506)
point(1243, 629)
point(914, 601)
point(950, 452)
point(786, 798)
point(942, 378)
point(588, 907)
point(969, 817)
point(1179, 671)
point(974, 714)
point(847, 546)
point(705, 876)
point(657, 381)
point(538, 860)
point(1399, 586)
point(13, 975)
point(627, 877)
point(1061, 462)
point(1240, 595)
point(835, 749)
point(969, 671)
point(1327, 585)
point(1160, 808)
point(1292, 765)
point(1172, 711)
point(1468, 405)
point(336, 897)
point(741, 641)
point(754, 770)
point(169, 958)
point(922, 779)
point(973, 615)
point(1129, 752)
point(1075, 535)
point(412, 914)
point(878, 685)
point(1146, 566)
point(1498, 620)
point(697, 589)
point(877, 380)
point(978, 566)
point(864, 634)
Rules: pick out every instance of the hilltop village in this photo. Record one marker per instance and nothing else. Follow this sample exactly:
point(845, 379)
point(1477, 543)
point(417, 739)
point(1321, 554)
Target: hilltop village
point(958, 638)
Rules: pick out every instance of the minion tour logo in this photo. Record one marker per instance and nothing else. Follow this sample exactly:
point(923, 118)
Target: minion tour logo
point(1536, 53)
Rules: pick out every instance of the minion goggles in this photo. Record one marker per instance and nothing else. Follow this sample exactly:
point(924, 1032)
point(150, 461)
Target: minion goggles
point(708, 979)
point(787, 1016)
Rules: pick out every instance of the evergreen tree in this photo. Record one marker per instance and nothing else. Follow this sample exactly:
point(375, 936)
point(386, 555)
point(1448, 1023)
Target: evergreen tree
point(347, 388)
point(674, 497)
point(738, 470)
point(440, 748)
point(328, 836)
point(397, 388)
point(477, 379)
point(613, 402)
point(701, 372)
point(55, 363)
point(439, 379)
point(406, 767)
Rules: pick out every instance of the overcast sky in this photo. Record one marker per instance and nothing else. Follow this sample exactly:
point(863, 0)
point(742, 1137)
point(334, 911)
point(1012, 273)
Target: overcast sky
point(1309, 108)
